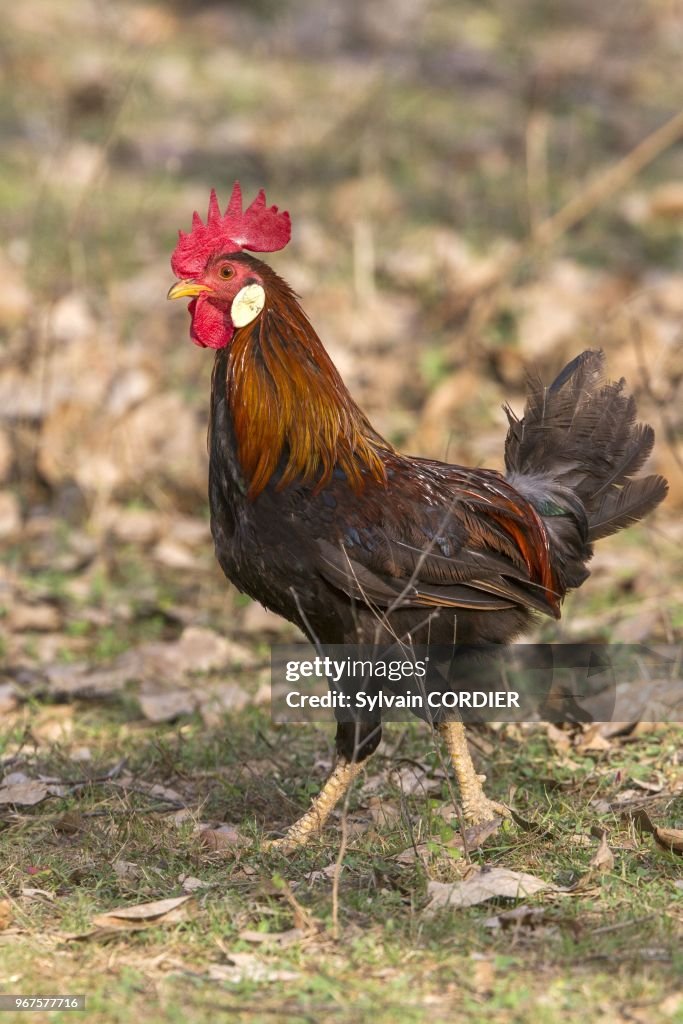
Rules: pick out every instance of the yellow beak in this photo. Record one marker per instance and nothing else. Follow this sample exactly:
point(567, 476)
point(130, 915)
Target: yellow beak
point(181, 289)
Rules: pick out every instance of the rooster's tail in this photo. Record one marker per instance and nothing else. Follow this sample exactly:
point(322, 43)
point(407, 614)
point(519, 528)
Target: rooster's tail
point(574, 454)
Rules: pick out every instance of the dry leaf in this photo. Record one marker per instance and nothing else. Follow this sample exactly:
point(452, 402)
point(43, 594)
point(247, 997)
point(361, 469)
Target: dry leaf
point(28, 893)
point(174, 555)
point(153, 789)
point(144, 915)
point(588, 882)
point(382, 812)
point(229, 697)
point(559, 739)
point(580, 839)
point(247, 967)
point(667, 200)
point(475, 835)
point(191, 884)
point(224, 838)
point(43, 618)
point(126, 869)
point(485, 885)
point(669, 839)
point(24, 794)
point(203, 650)
point(483, 976)
point(70, 823)
point(650, 787)
point(74, 680)
point(326, 872)
point(641, 819)
point(167, 705)
point(603, 858)
point(409, 855)
point(10, 514)
point(5, 914)
point(286, 938)
point(8, 698)
point(538, 828)
point(592, 739)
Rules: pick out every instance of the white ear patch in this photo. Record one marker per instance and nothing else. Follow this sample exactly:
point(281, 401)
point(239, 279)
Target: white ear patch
point(247, 304)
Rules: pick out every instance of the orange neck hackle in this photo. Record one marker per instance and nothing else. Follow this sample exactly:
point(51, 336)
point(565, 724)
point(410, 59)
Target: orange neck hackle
point(286, 397)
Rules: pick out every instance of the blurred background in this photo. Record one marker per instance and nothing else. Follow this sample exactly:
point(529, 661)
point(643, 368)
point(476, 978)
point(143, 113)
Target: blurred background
point(424, 149)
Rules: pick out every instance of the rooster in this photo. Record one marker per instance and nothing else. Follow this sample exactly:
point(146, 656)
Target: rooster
point(318, 517)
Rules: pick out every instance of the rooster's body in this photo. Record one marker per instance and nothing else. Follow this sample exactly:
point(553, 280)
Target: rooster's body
point(317, 517)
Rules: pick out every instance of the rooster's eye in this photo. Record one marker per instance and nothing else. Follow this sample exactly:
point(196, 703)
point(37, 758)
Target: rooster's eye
point(226, 272)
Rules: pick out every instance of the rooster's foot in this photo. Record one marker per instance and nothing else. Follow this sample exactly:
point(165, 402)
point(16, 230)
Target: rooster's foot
point(312, 822)
point(477, 809)
point(476, 806)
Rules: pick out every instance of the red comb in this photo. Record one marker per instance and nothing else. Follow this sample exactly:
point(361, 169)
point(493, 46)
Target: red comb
point(260, 228)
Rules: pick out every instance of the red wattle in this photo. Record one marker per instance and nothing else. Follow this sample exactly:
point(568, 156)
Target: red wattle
point(211, 324)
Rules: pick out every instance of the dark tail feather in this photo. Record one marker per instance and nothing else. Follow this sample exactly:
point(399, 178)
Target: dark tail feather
point(626, 505)
point(579, 439)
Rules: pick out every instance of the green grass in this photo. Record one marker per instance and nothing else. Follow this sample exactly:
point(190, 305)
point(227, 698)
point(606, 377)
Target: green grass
point(622, 935)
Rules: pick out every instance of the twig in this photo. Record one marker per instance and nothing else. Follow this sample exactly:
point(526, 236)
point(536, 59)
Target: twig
point(623, 924)
point(609, 181)
point(549, 230)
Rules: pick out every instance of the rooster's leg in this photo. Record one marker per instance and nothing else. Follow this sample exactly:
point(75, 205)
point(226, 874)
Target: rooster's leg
point(315, 817)
point(476, 806)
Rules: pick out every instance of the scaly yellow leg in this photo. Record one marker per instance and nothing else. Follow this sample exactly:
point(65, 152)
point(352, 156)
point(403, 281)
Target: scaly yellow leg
point(315, 817)
point(476, 806)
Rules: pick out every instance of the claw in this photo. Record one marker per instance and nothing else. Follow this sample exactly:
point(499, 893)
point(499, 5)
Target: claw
point(482, 810)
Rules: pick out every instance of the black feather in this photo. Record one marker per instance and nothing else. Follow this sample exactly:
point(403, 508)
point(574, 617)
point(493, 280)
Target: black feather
point(626, 505)
point(573, 455)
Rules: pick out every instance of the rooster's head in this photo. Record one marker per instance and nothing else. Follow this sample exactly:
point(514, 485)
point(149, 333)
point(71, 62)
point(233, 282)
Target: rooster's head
point(224, 285)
